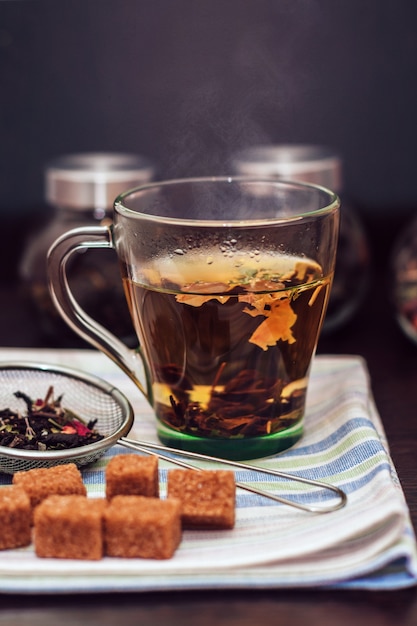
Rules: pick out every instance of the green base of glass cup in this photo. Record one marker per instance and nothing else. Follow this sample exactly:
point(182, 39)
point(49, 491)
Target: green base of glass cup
point(232, 449)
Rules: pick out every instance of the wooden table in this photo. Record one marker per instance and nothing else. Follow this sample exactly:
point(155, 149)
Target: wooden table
point(392, 362)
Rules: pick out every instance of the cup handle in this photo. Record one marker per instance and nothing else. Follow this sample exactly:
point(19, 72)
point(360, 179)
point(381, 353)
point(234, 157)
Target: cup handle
point(130, 361)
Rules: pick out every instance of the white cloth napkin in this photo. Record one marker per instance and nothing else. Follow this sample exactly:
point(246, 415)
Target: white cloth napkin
point(369, 543)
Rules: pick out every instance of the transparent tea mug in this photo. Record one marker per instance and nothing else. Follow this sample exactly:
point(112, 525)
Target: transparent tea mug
point(227, 282)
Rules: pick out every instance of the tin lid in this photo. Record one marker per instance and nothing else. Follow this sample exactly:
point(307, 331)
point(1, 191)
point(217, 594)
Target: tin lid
point(94, 179)
point(302, 162)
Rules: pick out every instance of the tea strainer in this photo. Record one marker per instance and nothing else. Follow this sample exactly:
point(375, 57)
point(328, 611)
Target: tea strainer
point(95, 399)
point(88, 396)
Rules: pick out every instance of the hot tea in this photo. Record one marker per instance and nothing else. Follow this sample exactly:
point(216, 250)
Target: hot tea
point(227, 282)
point(228, 345)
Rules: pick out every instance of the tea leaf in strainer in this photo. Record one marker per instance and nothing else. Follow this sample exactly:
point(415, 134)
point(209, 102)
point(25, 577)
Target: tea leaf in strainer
point(86, 395)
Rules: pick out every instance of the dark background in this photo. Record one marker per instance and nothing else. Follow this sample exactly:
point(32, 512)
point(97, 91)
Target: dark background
point(187, 82)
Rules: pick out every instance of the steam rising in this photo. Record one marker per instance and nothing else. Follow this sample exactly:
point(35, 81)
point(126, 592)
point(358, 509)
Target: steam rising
point(252, 97)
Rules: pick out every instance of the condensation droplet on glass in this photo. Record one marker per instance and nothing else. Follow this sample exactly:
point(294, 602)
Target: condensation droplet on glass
point(209, 260)
point(179, 251)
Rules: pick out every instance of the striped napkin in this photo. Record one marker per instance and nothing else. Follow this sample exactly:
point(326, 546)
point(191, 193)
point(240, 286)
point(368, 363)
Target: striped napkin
point(367, 544)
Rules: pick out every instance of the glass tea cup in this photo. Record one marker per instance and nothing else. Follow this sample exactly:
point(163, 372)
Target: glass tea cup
point(227, 282)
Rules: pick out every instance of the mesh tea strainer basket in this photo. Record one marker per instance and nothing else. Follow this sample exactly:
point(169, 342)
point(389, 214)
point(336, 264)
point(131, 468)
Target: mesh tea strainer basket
point(88, 396)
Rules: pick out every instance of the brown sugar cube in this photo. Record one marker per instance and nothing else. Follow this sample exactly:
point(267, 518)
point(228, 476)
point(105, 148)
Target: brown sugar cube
point(15, 518)
point(133, 475)
point(208, 498)
point(143, 527)
point(69, 527)
point(42, 482)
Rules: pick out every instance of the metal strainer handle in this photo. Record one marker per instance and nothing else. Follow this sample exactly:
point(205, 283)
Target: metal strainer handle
point(145, 447)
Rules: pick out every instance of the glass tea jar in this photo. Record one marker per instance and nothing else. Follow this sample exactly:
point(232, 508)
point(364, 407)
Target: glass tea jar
point(403, 278)
point(80, 189)
point(322, 166)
